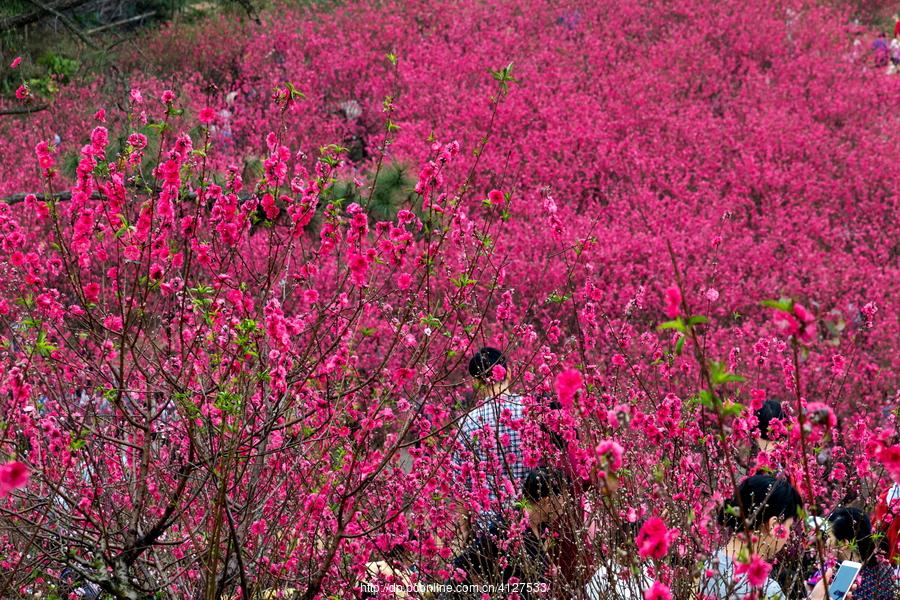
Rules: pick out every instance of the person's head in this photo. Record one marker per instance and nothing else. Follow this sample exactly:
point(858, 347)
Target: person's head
point(482, 367)
point(543, 490)
point(767, 507)
point(764, 415)
point(850, 535)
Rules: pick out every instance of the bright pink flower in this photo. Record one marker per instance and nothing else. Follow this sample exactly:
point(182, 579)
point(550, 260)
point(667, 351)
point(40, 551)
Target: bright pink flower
point(757, 398)
point(496, 197)
point(498, 373)
point(610, 453)
point(136, 96)
point(402, 376)
point(802, 314)
point(673, 301)
point(99, 139)
point(206, 115)
point(653, 539)
point(113, 323)
point(258, 527)
point(786, 323)
point(658, 591)
point(16, 62)
point(167, 97)
point(92, 292)
point(100, 116)
point(890, 458)
point(22, 92)
point(358, 265)
point(756, 571)
point(13, 475)
point(567, 385)
point(45, 155)
point(138, 141)
point(403, 281)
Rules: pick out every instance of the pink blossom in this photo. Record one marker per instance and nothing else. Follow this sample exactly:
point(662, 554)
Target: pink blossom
point(757, 398)
point(206, 115)
point(15, 62)
point(653, 539)
point(13, 475)
point(496, 198)
point(113, 323)
point(22, 92)
point(610, 453)
point(403, 280)
point(673, 301)
point(890, 458)
point(568, 382)
point(138, 141)
point(92, 292)
point(167, 97)
point(258, 527)
point(402, 376)
point(756, 571)
point(498, 373)
point(99, 139)
point(658, 591)
point(358, 265)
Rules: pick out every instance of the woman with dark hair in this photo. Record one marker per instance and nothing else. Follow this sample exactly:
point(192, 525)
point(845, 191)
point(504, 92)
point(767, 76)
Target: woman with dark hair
point(759, 519)
point(850, 536)
point(485, 561)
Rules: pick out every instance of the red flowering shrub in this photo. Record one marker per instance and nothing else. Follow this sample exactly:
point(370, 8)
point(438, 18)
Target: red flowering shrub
point(232, 362)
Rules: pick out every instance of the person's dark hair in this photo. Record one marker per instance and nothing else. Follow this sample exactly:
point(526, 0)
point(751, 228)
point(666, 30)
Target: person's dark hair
point(484, 360)
point(768, 411)
point(849, 524)
point(542, 483)
point(761, 497)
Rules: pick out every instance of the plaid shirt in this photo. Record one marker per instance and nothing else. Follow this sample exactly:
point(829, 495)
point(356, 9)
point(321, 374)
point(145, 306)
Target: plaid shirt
point(486, 433)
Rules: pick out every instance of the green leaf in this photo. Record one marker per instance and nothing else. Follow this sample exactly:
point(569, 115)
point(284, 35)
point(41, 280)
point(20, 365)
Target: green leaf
point(679, 345)
point(676, 324)
point(463, 281)
point(784, 304)
point(697, 319)
point(557, 298)
point(295, 93)
point(732, 409)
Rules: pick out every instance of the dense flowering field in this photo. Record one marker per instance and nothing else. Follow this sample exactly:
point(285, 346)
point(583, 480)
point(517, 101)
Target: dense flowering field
point(244, 275)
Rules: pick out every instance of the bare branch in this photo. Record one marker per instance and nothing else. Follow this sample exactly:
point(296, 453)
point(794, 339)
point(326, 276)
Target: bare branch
point(24, 110)
point(10, 23)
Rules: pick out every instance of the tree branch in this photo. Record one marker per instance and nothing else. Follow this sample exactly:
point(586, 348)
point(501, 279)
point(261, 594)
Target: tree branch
point(67, 22)
point(24, 110)
point(10, 23)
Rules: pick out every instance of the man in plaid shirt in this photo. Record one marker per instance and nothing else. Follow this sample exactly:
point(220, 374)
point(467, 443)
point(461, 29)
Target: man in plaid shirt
point(489, 433)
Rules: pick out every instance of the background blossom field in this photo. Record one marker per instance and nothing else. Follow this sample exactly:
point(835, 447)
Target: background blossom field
point(244, 272)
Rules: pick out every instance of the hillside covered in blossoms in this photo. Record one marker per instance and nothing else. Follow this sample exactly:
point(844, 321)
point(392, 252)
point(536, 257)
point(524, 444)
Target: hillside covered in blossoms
point(248, 265)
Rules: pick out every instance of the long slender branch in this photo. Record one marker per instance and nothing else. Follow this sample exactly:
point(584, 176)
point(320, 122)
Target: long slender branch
point(24, 110)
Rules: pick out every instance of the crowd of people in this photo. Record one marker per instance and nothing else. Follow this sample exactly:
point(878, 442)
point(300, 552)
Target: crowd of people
point(758, 521)
point(886, 51)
